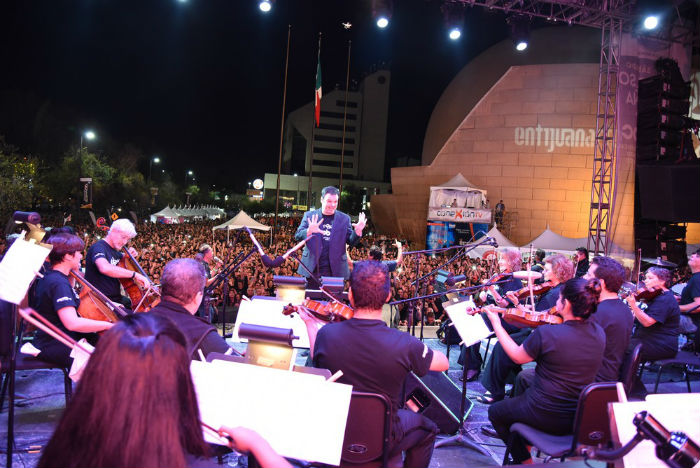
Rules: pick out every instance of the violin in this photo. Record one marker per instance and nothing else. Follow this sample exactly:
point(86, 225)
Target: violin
point(326, 311)
point(143, 299)
point(94, 304)
point(527, 318)
point(495, 278)
point(644, 294)
point(537, 290)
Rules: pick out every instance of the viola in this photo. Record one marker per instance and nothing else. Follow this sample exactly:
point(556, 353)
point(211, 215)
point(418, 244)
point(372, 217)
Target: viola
point(527, 318)
point(326, 311)
point(94, 304)
point(537, 290)
point(142, 299)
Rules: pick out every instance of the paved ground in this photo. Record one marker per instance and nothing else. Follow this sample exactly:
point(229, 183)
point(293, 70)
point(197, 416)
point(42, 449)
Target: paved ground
point(37, 414)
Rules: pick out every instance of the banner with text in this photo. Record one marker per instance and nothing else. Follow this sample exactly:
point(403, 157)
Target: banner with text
point(460, 215)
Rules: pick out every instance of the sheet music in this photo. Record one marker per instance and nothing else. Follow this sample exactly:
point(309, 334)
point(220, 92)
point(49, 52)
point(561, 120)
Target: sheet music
point(19, 267)
point(471, 328)
point(268, 312)
point(301, 415)
point(677, 412)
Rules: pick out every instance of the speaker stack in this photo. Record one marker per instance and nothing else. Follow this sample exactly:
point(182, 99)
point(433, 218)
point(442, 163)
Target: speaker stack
point(667, 171)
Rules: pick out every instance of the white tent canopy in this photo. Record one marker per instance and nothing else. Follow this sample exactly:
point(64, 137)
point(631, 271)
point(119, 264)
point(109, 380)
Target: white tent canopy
point(166, 212)
point(241, 220)
point(550, 241)
point(457, 190)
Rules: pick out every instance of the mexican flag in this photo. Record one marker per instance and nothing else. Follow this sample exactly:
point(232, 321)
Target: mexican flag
point(319, 94)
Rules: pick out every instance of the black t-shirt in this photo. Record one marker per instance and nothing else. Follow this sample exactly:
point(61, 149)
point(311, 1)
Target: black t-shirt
point(568, 356)
point(373, 357)
point(109, 286)
point(664, 333)
point(549, 299)
point(390, 265)
point(691, 290)
point(54, 292)
point(324, 264)
point(616, 320)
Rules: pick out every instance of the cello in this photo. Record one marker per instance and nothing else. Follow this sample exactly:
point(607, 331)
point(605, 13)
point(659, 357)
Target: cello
point(142, 299)
point(94, 304)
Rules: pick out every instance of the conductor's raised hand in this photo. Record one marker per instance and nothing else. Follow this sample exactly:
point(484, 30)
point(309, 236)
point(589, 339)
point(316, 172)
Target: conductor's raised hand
point(360, 224)
point(314, 225)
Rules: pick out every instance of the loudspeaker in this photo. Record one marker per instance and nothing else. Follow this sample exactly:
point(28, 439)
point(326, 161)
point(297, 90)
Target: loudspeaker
point(437, 398)
point(669, 192)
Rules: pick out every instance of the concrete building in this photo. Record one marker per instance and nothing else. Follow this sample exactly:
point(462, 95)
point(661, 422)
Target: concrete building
point(364, 152)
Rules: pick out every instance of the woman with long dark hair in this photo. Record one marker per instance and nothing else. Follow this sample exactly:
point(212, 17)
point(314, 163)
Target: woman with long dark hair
point(136, 405)
point(567, 355)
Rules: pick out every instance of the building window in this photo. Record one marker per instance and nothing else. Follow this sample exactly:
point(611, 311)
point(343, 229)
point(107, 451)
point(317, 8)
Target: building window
point(333, 139)
point(341, 103)
point(348, 152)
point(347, 165)
point(327, 126)
point(338, 115)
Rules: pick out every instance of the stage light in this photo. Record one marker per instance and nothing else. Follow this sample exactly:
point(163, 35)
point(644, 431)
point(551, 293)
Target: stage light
point(651, 22)
point(519, 31)
point(265, 6)
point(381, 12)
point(453, 16)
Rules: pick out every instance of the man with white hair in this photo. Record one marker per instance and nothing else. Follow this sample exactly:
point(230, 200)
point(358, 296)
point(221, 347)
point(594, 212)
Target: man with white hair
point(101, 268)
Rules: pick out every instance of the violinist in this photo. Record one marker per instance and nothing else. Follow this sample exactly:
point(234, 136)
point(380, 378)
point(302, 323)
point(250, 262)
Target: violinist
point(375, 358)
point(567, 356)
point(690, 298)
point(612, 315)
point(182, 287)
point(101, 267)
point(136, 406)
point(557, 270)
point(509, 261)
point(56, 300)
point(204, 256)
point(657, 326)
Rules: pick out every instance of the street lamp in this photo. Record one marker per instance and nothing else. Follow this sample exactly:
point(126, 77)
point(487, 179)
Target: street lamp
point(297, 176)
point(89, 135)
point(150, 166)
point(187, 175)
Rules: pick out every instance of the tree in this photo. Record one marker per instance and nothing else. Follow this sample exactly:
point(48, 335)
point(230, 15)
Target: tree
point(18, 181)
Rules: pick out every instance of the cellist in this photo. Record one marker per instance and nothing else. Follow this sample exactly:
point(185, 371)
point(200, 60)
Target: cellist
point(101, 267)
point(56, 300)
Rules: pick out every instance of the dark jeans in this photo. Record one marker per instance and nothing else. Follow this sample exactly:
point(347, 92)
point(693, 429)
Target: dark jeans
point(499, 367)
point(649, 352)
point(415, 436)
point(503, 414)
point(475, 358)
point(55, 353)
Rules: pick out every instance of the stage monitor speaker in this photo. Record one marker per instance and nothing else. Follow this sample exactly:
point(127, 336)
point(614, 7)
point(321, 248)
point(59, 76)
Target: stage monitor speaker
point(437, 398)
point(670, 192)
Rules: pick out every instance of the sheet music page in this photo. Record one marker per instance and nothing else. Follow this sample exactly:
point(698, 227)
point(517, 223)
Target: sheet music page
point(268, 312)
point(471, 328)
point(19, 267)
point(301, 415)
point(677, 412)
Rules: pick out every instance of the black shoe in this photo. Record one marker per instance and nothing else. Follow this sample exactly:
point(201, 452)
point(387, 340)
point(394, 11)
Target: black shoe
point(472, 375)
point(489, 431)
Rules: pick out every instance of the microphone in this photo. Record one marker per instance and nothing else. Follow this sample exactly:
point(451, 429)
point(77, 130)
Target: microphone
point(297, 247)
point(30, 217)
point(492, 242)
point(255, 241)
point(276, 262)
point(218, 260)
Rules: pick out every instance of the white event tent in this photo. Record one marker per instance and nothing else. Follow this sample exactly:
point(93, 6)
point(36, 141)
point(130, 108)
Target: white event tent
point(460, 189)
point(486, 250)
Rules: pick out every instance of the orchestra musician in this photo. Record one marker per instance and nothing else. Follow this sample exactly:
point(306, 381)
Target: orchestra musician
point(324, 254)
point(612, 315)
point(182, 288)
point(57, 301)
point(657, 326)
point(101, 268)
point(136, 406)
point(376, 358)
point(509, 261)
point(689, 304)
point(204, 256)
point(557, 270)
point(568, 357)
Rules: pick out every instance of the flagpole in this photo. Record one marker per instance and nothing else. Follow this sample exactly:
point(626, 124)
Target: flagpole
point(279, 161)
point(345, 119)
point(313, 126)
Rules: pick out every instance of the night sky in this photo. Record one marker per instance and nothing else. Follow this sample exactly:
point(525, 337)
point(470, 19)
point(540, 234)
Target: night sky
point(199, 83)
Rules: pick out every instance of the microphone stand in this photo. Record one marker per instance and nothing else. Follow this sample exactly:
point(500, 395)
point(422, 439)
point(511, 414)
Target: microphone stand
point(224, 276)
point(463, 250)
